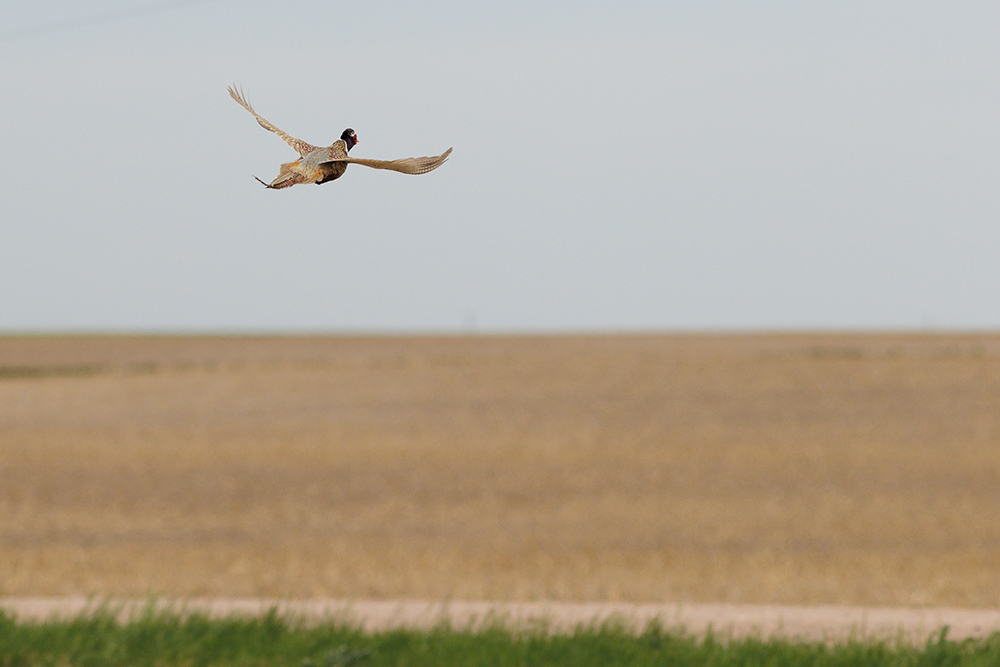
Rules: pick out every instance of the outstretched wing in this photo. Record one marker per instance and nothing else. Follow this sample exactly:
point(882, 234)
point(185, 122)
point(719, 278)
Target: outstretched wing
point(407, 165)
point(300, 147)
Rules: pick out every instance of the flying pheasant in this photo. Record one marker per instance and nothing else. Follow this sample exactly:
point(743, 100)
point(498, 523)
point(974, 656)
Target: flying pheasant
point(319, 165)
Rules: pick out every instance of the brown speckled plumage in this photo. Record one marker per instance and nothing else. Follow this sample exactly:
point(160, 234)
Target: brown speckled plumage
point(321, 164)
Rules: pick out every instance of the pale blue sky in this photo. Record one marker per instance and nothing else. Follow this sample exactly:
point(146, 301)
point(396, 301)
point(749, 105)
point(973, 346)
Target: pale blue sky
point(617, 166)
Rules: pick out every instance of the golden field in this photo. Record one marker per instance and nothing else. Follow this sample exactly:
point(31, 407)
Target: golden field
point(783, 469)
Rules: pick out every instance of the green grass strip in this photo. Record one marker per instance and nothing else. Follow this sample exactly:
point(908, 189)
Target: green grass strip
point(99, 639)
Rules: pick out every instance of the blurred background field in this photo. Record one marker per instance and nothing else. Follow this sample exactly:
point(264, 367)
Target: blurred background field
point(790, 469)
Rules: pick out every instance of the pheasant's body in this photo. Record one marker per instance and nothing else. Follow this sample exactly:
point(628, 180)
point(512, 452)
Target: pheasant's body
point(313, 168)
point(319, 164)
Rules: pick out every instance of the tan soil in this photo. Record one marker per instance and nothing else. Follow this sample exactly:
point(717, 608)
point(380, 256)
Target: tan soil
point(806, 469)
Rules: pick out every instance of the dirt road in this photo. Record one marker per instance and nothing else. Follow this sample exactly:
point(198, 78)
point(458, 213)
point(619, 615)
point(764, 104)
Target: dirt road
point(807, 623)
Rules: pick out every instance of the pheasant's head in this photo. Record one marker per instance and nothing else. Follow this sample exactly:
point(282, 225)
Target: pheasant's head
point(350, 138)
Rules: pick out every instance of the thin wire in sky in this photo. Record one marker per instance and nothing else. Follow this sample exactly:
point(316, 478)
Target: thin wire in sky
point(97, 19)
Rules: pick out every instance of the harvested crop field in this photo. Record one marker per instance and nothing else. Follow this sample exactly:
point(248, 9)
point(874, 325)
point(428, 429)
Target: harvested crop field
point(754, 469)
